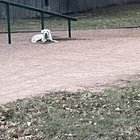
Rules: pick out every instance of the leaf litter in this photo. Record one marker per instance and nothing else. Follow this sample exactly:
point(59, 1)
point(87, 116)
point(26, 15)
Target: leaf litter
point(113, 114)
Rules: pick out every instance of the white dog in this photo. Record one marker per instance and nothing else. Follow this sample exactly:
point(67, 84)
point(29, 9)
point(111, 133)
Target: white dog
point(43, 37)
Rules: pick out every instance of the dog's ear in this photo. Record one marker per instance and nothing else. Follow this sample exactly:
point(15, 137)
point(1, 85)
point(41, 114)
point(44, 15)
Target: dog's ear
point(42, 31)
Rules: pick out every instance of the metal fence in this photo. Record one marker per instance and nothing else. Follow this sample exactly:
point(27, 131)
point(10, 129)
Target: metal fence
point(40, 11)
point(62, 6)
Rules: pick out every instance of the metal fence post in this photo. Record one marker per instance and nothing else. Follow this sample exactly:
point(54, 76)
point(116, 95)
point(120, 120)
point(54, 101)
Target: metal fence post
point(8, 23)
point(42, 20)
point(42, 14)
point(69, 27)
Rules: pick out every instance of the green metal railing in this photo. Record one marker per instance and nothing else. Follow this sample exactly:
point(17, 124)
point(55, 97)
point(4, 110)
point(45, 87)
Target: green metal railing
point(41, 11)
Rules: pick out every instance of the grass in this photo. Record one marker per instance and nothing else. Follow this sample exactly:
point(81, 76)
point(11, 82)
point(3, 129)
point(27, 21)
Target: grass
point(114, 17)
point(111, 115)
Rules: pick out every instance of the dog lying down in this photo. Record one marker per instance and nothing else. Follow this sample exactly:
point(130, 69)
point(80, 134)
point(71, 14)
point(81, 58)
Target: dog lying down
point(44, 36)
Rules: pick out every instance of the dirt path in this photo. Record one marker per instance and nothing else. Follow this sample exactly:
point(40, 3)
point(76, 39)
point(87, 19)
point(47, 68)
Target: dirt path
point(90, 60)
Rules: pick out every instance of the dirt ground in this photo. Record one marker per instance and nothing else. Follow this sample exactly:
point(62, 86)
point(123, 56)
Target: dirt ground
point(91, 60)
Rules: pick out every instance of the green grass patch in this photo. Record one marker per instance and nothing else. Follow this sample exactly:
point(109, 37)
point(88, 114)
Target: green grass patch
point(111, 115)
point(113, 17)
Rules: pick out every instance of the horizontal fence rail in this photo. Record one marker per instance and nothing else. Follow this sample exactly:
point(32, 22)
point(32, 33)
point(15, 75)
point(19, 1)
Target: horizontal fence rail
point(41, 11)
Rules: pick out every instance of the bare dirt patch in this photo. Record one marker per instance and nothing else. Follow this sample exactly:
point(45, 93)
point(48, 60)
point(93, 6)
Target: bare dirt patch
point(92, 59)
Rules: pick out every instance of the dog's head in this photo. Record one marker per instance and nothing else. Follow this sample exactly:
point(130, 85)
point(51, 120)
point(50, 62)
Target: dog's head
point(46, 32)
